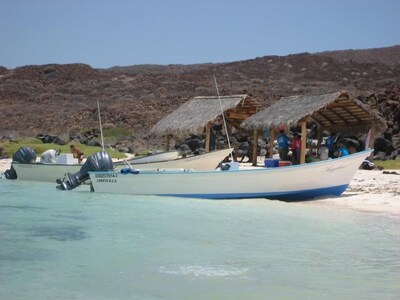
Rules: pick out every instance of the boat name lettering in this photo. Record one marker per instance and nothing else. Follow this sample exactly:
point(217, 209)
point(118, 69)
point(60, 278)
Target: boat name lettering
point(332, 168)
point(106, 175)
point(107, 180)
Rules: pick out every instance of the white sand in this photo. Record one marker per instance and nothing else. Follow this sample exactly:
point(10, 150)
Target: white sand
point(369, 191)
point(4, 164)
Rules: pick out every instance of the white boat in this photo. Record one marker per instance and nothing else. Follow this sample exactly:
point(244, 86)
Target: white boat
point(51, 172)
point(203, 162)
point(329, 177)
point(160, 156)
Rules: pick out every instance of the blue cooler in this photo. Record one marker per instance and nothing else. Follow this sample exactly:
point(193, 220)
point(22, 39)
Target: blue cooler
point(271, 163)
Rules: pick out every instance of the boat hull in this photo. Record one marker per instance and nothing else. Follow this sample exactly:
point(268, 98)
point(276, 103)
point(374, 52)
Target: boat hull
point(203, 162)
point(299, 182)
point(162, 156)
point(43, 172)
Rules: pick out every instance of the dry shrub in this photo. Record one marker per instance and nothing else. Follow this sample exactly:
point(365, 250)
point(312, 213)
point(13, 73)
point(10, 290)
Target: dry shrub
point(108, 125)
point(204, 91)
point(161, 92)
point(49, 69)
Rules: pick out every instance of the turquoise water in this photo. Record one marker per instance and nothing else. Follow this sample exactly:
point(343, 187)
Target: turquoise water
point(82, 245)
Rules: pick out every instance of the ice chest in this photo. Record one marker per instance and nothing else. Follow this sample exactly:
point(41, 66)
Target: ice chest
point(284, 163)
point(271, 163)
point(66, 159)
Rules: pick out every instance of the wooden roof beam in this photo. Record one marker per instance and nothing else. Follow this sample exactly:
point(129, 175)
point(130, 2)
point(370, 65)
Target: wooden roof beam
point(338, 115)
point(319, 123)
point(327, 118)
point(346, 125)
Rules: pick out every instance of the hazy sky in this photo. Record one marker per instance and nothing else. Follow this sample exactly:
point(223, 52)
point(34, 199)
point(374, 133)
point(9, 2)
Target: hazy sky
point(120, 32)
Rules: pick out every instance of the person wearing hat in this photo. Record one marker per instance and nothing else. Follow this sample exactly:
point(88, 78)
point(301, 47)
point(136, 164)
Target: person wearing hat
point(283, 145)
point(330, 144)
point(49, 156)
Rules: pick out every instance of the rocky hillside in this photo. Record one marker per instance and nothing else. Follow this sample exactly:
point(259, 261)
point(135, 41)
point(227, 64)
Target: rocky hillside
point(62, 98)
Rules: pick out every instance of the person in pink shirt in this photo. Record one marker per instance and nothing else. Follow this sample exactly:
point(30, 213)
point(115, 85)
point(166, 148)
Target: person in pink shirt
point(293, 147)
point(298, 148)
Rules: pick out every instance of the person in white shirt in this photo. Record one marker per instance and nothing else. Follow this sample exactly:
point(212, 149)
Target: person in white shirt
point(323, 153)
point(49, 156)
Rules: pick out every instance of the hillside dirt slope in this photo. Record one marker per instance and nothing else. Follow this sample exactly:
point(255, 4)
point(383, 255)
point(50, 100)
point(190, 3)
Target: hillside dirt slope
point(60, 98)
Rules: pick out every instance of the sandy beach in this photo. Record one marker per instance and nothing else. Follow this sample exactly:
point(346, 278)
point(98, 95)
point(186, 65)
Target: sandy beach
point(5, 164)
point(372, 191)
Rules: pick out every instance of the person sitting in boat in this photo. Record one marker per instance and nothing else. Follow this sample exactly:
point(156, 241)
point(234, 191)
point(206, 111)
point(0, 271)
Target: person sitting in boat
point(77, 153)
point(283, 145)
point(342, 150)
point(352, 147)
point(49, 156)
point(323, 153)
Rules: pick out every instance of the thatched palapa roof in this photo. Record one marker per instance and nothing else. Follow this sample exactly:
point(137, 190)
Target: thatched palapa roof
point(193, 115)
point(336, 110)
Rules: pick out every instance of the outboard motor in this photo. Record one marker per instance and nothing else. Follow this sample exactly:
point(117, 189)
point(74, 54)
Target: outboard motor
point(99, 161)
point(24, 155)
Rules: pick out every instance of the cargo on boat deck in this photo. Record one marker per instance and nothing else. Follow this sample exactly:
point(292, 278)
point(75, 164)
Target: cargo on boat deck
point(271, 163)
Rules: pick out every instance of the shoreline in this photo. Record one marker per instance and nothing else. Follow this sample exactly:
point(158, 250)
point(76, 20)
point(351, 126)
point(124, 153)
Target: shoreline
point(370, 191)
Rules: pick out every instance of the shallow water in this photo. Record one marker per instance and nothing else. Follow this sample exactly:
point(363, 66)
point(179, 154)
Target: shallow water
point(82, 245)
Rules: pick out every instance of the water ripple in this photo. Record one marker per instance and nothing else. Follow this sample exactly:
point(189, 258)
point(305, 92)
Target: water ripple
point(204, 271)
point(61, 233)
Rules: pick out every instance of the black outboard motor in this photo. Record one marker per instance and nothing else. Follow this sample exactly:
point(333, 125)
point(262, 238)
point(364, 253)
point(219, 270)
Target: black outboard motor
point(99, 161)
point(24, 155)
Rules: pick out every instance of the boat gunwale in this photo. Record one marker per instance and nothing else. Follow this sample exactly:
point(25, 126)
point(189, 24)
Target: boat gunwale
point(165, 171)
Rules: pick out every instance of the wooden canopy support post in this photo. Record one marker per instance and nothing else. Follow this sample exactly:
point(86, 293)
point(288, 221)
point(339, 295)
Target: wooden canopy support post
point(372, 139)
point(208, 130)
point(235, 151)
point(229, 132)
point(167, 141)
point(229, 128)
point(271, 141)
point(303, 142)
point(255, 146)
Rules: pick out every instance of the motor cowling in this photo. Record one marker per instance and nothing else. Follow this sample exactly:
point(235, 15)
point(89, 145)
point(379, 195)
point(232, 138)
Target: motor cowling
point(23, 155)
point(99, 161)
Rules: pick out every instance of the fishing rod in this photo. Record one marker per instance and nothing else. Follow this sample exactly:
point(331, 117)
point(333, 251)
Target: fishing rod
point(223, 117)
point(101, 127)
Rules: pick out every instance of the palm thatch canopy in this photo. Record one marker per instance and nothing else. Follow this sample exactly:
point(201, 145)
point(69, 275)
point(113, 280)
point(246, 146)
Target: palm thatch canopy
point(193, 115)
point(336, 110)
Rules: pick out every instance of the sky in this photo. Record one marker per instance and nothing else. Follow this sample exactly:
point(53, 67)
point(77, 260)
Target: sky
point(122, 33)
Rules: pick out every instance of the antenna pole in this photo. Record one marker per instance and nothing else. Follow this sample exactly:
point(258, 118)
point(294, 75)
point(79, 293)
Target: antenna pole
point(101, 127)
point(223, 116)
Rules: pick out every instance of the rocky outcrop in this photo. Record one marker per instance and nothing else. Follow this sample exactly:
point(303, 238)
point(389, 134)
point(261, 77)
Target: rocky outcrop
point(3, 71)
point(55, 74)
